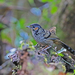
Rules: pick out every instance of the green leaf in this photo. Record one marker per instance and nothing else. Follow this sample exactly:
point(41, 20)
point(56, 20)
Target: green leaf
point(6, 37)
point(46, 1)
point(1, 26)
point(50, 0)
point(7, 51)
point(60, 54)
point(31, 2)
point(46, 18)
point(2, 1)
point(74, 71)
point(45, 14)
point(22, 22)
point(43, 1)
point(34, 42)
point(58, 1)
point(54, 10)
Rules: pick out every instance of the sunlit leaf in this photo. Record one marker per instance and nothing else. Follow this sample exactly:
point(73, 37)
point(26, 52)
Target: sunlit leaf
point(1, 26)
point(60, 54)
point(50, 0)
point(2, 1)
point(34, 42)
point(45, 59)
point(74, 72)
point(22, 22)
point(46, 18)
point(46, 1)
point(54, 9)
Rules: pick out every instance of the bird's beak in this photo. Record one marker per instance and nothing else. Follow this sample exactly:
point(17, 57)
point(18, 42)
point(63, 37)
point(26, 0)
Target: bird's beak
point(28, 26)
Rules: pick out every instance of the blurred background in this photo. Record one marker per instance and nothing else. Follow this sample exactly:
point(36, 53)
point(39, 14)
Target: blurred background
point(15, 15)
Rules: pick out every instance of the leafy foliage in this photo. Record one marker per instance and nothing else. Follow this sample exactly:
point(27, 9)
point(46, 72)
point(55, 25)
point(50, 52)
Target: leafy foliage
point(26, 13)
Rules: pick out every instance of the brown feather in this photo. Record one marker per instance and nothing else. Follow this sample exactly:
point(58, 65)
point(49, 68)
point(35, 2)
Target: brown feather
point(53, 30)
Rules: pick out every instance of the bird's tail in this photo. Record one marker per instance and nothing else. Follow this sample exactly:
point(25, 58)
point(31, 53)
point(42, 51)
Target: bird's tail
point(65, 46)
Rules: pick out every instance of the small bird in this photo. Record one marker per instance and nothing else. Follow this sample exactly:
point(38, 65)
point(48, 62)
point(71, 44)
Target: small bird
point(47, 37)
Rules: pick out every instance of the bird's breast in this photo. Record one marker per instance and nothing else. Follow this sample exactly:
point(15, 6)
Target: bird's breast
point(39, 38)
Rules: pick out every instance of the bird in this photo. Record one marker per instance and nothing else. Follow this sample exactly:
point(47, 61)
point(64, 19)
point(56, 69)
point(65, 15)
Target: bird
point(47, 37)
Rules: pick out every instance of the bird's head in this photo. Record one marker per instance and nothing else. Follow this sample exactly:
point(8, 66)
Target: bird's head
point(34, 27)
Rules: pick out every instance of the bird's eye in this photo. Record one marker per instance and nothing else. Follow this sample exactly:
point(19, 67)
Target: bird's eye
point(36, 28)
point(31, 26)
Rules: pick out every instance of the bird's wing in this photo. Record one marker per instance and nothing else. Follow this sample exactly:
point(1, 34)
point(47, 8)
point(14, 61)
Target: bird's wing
point(57, 41)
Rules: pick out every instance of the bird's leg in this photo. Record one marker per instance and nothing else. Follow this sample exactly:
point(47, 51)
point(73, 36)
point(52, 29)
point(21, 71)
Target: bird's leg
point(43, 50)
point(46, 47)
